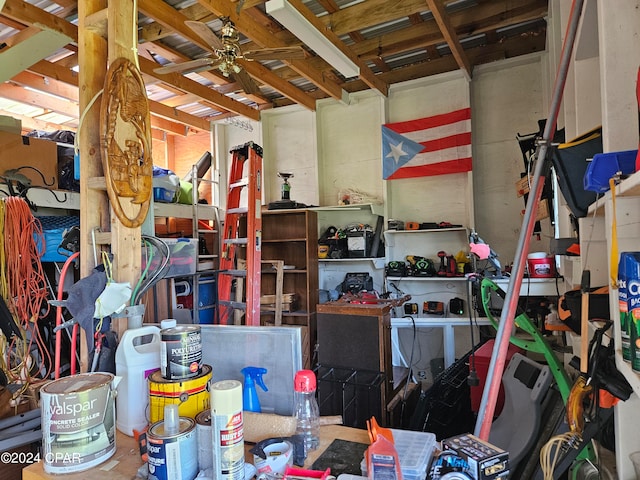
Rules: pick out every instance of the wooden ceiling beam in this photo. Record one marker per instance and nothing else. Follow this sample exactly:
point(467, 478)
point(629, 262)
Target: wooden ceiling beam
point(31, 97)
point(34, 15)
point(427, 34)
point(55, 71)
point(169, 126)
point(374, 12)
point(175, 115)
point(46, 84)
point(21, 36)
point(32, 123)
point(508, 48)
point(172, 19)
point(285, 88)
point(31, 15)
point(449, 34)
point(155, 31)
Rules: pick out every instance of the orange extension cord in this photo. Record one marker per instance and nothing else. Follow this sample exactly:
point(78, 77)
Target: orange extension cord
point(26, 285)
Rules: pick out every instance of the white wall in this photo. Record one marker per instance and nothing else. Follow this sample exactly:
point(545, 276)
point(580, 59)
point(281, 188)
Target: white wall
point(349, 139)
point(506, 100)
point(290, 147)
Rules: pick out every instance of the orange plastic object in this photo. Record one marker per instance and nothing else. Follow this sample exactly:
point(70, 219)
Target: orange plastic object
point(374, 430)
point(412, 226)
point(607, 400)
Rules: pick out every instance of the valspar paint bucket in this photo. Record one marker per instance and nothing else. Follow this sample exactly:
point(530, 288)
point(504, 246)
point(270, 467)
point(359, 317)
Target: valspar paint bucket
point(78, 422)
point(227, 430)
point(191, 394)
point(171, 455)
point(181, 352)
point(205, 445)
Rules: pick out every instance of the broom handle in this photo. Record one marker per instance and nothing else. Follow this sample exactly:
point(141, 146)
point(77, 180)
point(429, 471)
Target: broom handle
point(498, 356)
point(584, 322)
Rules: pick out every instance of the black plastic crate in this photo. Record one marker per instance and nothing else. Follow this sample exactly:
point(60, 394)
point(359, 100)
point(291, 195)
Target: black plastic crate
point(354, 394)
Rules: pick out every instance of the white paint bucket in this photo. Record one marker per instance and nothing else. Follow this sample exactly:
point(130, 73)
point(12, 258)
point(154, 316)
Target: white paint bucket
point(78, 422)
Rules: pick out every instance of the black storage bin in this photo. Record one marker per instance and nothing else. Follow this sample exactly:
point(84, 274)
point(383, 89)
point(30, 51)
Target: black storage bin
point(354, 394)
point(570, 161)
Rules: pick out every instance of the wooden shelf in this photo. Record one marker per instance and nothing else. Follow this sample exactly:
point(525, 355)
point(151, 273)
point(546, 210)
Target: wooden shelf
point(291, 236)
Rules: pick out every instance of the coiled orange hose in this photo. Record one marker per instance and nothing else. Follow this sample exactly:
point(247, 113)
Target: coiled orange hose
point(26, 281)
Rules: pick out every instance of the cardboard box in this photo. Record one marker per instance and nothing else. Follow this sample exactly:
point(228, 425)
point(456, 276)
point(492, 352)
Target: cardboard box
point(17, 151)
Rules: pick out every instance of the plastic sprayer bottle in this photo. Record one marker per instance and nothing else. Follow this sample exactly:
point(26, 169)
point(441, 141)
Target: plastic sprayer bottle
point(252, 376)
point(306, 409)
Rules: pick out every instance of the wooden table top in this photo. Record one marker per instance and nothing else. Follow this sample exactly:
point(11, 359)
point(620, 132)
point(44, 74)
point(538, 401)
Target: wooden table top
point(124, 464)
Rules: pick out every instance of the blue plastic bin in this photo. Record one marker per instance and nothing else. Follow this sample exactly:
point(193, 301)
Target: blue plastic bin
point(53, 228)
point(606, 165)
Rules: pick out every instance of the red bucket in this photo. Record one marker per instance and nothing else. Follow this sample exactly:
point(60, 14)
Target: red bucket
point(541, 266)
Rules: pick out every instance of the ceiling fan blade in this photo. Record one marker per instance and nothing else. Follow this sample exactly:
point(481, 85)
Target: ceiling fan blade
point(282, 53)
point(248, 84)
point(190, 66)
point(205, 33)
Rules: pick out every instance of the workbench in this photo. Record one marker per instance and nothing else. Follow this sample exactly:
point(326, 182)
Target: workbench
point(126, 461)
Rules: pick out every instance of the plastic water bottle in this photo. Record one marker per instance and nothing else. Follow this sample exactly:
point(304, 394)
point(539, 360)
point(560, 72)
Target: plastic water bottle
point(306, 409)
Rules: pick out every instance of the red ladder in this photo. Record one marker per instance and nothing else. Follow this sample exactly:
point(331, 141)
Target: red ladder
point(237, 219)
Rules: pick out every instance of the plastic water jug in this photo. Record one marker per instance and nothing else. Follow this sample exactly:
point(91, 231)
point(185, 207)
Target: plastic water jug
point(135, 361)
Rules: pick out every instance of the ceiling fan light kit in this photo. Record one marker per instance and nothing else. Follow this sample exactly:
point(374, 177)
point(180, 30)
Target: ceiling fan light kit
point(226, 50)
point(295, 22)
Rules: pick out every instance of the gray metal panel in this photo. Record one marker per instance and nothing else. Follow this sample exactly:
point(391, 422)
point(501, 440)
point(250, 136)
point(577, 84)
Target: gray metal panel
point(230, 348)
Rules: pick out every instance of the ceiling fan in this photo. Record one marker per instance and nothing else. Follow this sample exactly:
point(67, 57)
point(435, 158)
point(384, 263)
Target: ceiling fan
point(226, 50)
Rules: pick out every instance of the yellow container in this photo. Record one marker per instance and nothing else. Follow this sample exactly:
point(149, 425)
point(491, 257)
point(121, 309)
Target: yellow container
point(190, 394)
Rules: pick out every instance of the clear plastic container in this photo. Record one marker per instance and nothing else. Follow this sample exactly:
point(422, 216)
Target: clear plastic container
point(307, 411)
point(415, 450)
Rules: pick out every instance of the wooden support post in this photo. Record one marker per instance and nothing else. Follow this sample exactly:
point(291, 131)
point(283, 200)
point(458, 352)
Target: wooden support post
point(125, 242)
point(92, 56)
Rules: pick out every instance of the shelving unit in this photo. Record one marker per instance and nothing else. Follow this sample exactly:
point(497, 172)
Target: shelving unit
point(602, 91)
point(332, 271)
point(427, 243)
point(601, 215)
point(291, 236)
point(204, 223)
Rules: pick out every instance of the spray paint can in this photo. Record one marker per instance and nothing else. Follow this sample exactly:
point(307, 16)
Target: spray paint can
point(227, 430)
point(170, 446)
point(623, 307)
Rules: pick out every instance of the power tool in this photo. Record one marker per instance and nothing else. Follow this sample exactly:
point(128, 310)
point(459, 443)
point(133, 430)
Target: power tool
point(421, 266)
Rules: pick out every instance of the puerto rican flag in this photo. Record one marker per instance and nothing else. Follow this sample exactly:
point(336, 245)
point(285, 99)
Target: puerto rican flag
point(436, 145)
